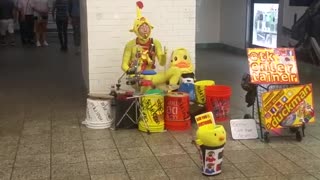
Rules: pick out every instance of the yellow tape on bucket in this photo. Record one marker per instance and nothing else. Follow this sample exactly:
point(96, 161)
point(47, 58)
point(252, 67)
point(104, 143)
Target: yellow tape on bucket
point(200, 90)
point(152, 108)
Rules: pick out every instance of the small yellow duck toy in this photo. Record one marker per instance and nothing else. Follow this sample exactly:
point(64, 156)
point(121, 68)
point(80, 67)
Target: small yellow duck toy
point(208, 133)
point(211, 137)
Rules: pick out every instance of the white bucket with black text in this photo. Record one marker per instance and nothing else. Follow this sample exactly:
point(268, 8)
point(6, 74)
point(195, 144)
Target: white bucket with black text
point(99, 115)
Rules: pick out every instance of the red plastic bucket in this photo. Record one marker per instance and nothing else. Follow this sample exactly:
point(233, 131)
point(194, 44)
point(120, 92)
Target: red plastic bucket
point(177, 115)
point(218, 101)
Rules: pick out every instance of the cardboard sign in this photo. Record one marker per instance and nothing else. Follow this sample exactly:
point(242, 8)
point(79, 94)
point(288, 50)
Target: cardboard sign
point(288, 107)
point(205, 120)
point(243, 129)
point(273, 66)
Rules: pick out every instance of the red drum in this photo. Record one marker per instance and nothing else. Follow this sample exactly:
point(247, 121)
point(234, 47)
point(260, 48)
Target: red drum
point(177, 115)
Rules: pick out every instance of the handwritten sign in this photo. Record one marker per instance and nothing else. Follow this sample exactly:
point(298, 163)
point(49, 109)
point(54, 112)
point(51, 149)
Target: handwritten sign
point(273, 66)
point(288, 107)
point(243, 129)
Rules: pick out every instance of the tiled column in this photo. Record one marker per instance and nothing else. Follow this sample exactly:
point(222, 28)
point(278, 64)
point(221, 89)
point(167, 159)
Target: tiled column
point(108, 27)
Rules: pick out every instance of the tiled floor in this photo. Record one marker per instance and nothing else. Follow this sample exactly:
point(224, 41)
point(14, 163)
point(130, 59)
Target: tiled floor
point(41, 136)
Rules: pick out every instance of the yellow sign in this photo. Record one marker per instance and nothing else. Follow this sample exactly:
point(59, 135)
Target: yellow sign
point(205, 120)
point(288, 107)
point(273, 66)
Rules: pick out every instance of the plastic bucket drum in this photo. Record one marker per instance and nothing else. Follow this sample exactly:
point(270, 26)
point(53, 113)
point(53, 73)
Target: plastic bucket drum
point(152, 117)
point(98, 114)
point(200, 90)
point(218, 101)
point(211, 158)
point(177, 115)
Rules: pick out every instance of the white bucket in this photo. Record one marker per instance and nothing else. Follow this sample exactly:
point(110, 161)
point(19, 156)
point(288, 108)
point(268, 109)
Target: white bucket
point(98, 115)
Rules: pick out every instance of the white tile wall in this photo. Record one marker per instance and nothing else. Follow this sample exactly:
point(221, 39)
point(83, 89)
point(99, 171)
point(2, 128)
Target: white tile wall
point(108, 31)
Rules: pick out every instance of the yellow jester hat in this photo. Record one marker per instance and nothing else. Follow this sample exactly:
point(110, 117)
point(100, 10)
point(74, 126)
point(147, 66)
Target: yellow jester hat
point(139, 21)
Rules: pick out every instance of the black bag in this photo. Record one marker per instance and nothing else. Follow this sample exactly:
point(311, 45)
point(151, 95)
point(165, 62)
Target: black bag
point(250, 88)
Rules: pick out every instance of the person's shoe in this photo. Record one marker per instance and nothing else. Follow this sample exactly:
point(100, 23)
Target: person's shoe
point(38, 44)
point(45, 43)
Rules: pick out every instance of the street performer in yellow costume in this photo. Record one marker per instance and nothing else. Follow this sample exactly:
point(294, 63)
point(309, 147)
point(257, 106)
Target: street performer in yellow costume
point(140, 55)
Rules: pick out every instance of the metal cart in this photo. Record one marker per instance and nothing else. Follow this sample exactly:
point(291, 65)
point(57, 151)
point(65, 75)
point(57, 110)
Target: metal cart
point(256, 113)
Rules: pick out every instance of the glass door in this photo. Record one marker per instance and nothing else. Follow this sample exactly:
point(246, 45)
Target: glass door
point(264, 16)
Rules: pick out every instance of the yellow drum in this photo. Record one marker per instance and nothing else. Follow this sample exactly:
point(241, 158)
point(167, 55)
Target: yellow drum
point(200, 90)
point(152, 117)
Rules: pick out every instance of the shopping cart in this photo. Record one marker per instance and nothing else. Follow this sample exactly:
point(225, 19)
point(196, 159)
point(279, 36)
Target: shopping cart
point(254, 100)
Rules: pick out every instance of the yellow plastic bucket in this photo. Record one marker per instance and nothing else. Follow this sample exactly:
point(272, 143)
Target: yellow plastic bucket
point(200, 90)
point(152, 109)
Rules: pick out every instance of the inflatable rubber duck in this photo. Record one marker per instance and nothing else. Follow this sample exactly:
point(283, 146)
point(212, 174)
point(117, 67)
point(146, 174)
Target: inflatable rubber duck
point(181, 59)
point(213, 137)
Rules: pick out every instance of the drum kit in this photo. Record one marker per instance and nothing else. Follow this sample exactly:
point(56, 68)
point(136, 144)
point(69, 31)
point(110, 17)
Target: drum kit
point(135, 79)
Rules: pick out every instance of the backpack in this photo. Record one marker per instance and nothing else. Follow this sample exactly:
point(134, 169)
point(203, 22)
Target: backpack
point(250, 88)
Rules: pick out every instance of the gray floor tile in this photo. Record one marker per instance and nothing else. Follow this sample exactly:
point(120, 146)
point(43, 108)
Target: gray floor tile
point(145, 163)
point(188, 173)
point(8, 152)
point(135, 152)
point(86, 177)
point(93, 134)
point(106, 167)
point(130, 141)
point(5, 173)
point(27, 173)
point(176, 161)
point(32, 160)
point(68, 170)
point(68, 146)
point(189, 147)
point(6, 163)
point(256, 169)
point(242, 156)
point(7, 140)
point(159, 139)
point(286, 167)
point(228, 172)
point(300, 177)
point(255, 144)
point(183, 136)
point(34, 149)
point(196, 159)
point(310, 165)
point(36, 130)
point(123, 133)
point(149, 174)
point(66, 134)
point(234, 145)
point(68, 157)
point(316, 174)
point(161, 150)
point(295, 154)
point(313, 149)
point(115, 176)
point(270, 155)
point(35, 139)
point(276, 177)
point(103, 155)
point(99, 144)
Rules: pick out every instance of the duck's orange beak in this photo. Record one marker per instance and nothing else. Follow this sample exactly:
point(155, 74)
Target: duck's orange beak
point(183, 64)
point(221, 139)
